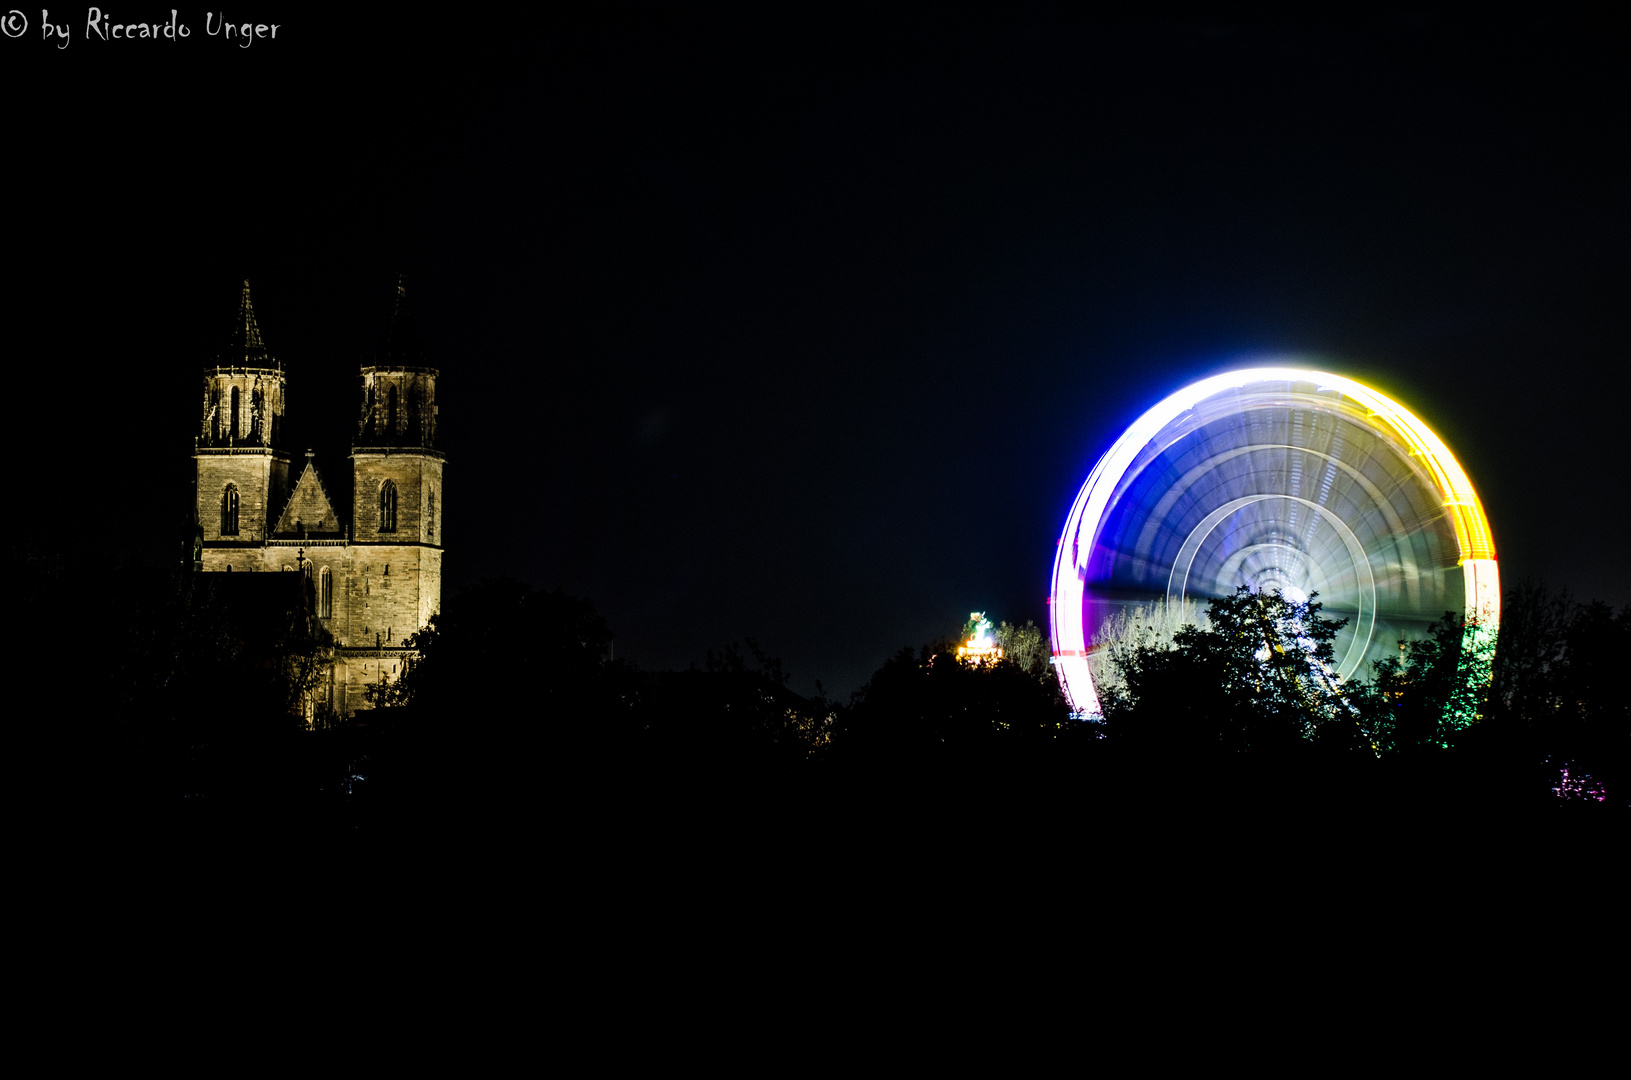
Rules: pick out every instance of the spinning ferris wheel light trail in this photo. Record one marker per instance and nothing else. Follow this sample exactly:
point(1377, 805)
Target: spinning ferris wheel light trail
point(1278, 478)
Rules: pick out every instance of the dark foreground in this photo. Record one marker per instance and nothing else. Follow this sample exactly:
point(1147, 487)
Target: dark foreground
point(400, 784)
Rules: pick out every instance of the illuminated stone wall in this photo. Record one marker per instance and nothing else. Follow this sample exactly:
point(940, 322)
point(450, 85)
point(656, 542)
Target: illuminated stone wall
point(390, 590)
point(262, 479)
point(383, 594)
point(416, 476)
point(355, 670)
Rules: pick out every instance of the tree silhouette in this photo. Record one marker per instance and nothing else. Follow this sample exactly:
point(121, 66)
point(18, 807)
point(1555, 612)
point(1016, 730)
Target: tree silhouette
point(924, 705)
point(1259, 677)
point(1557, 699)
point(502, 647)
point(734, 714)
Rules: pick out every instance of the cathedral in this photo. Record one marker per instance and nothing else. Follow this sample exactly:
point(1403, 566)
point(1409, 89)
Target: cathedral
point(374, 567)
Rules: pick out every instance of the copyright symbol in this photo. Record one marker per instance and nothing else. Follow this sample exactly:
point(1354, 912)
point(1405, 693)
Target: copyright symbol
point(14, 24)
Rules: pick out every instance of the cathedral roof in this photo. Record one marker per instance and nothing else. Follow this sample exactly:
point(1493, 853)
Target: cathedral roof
point(402, 345)
point(308, 511)
point(244, 346)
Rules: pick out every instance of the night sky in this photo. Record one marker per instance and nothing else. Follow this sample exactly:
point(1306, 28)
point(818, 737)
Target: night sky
point(808, 326)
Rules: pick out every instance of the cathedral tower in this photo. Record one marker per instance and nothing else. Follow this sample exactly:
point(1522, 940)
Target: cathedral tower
point(397, 484)
point(243, 472)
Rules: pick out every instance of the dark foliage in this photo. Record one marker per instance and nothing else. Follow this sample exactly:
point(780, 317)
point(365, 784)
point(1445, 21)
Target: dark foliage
point(926, 705)
point(733, 713)
point(1557, 697)
point(513, 694)
point(503, 648)
point(203, 651)
point(158, 691)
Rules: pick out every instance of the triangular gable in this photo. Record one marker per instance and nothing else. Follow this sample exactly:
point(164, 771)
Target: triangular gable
point(308, 509)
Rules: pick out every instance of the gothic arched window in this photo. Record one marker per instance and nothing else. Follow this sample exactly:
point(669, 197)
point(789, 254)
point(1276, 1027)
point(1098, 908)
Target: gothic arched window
point(430, 513)
point(232, 429)
point(215, 416)
point(387, 507)
point(256, 402)
point(325, 595)
point(229, 510)
point(390, 414)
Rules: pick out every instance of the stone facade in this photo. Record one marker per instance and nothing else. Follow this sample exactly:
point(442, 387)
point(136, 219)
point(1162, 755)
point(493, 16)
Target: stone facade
point(376, 572)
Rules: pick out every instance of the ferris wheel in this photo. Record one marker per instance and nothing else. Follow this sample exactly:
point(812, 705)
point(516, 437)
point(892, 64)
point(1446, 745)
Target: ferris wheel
point(1280, 479)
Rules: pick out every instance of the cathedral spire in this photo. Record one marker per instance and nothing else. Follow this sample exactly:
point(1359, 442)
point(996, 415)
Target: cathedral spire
point(399, 386)
point(402, 345)
point(244, 346)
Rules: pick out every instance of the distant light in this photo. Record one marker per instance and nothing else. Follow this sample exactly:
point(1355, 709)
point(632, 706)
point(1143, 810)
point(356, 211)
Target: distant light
point(981, 646)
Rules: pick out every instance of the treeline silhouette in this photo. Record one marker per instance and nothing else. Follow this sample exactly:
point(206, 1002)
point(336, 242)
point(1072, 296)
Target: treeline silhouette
point(184, 707)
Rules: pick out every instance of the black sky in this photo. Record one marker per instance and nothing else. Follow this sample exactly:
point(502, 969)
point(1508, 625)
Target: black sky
point(808, 326)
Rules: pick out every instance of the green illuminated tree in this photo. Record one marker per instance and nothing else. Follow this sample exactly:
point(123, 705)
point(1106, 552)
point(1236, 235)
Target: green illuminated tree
point(1432, 692)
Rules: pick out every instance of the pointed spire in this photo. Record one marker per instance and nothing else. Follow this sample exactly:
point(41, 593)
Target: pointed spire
point(402, 344)
point(244, 345)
